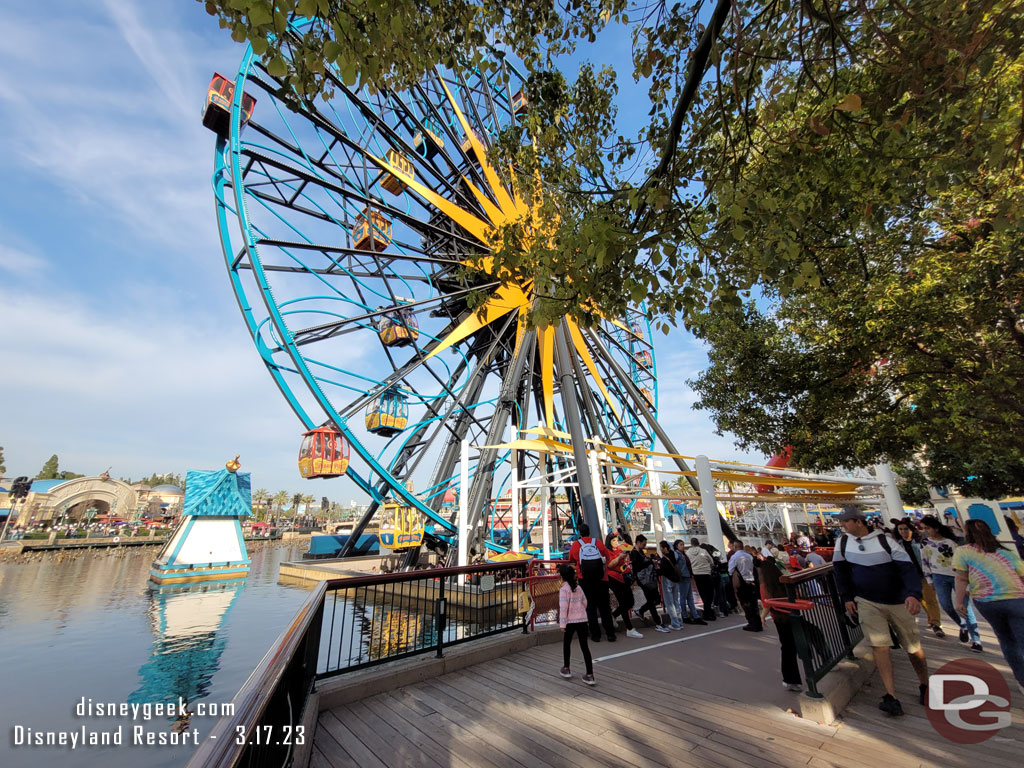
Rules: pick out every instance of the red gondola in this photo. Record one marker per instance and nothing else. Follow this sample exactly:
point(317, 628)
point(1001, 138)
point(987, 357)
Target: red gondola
point(324, 453)
point(217, 112)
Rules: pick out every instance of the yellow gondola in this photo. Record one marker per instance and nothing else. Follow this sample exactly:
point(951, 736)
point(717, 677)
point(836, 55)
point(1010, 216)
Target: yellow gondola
point(372, 231)
point(648, 396)
point(388, 414)
point(397, 160)
point(398, 328)
point(428, 141)
point(401, 527)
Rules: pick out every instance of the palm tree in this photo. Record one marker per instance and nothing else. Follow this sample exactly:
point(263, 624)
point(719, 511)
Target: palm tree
point(296, 500)
point(259, 499)
point(280, 499)
point(307, 499)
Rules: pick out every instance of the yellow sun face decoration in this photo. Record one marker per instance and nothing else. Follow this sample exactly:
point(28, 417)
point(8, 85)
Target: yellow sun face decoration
point(502, 207)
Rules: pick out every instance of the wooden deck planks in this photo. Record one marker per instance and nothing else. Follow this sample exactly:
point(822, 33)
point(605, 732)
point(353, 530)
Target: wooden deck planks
point(516, 712)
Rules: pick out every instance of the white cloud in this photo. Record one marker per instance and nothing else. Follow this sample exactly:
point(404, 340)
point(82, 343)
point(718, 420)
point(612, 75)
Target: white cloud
point(19, 262)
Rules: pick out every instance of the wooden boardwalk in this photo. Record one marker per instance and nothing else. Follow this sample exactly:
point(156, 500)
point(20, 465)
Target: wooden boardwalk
point(516, 712)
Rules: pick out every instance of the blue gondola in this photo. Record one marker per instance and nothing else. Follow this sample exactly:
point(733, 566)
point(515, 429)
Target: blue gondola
point(388, 414)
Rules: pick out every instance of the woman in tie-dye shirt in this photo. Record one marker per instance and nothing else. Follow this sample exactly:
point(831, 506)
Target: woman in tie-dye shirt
point(994, 576)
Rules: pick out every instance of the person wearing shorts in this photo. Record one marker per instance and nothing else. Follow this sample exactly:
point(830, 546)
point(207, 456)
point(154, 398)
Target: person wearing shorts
point(880, 586)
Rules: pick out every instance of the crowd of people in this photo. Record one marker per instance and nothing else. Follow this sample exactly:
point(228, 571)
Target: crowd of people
point(886, 576)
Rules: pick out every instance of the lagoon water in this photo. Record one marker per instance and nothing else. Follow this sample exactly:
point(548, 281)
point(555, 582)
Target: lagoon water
point(88, 627)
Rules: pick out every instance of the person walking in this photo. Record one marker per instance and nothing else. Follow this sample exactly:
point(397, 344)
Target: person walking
point(879, 584)
point(670, 577)
point(703, 566)
point(590, 555)
point(937, 560)
point(619, 580)
point(646, 572)
point(741, 570)
point(687, 605)
point(910, 541)
point(994, 577)
point(572, 618)
point(771, 586)
point(725, 595)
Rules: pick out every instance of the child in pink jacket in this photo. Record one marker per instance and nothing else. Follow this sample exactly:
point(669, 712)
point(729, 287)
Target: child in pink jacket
point(572, 618)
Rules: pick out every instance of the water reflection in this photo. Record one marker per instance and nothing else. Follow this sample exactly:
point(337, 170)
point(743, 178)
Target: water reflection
point(187, 644)
point(87, 625)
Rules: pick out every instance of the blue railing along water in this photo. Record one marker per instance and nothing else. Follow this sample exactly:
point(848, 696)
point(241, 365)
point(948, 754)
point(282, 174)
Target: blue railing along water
point(349, 624)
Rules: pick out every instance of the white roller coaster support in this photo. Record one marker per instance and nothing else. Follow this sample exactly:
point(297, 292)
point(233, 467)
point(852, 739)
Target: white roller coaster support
point(545, 516)
point(893, 502)
point(595, 474)
point(657, 505)
point(787, 523)
point(515, 511)
point(709, 505)
point(463, 505)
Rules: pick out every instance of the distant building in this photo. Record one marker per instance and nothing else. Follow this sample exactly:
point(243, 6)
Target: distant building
point(99, 498)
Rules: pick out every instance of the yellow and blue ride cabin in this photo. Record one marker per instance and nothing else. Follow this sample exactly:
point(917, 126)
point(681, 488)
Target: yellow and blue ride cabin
point(644, 358)
point(217, 110)
point(519, 102)
point(371, 231)
point(324, 453)
point(397, 160)
point(636, 328)
point(398, 328)
point(401, 526)
point(428, 141)
point(388, 413)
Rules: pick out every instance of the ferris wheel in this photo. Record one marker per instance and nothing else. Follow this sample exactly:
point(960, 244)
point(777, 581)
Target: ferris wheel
point(354, 231)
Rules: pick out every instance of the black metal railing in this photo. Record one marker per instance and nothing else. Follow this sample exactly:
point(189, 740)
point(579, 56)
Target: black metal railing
point(370, 620)
point(824, 634)
point(349, 624)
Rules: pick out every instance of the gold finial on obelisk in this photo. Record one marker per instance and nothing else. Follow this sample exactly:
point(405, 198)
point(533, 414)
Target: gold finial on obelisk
point(234, 464)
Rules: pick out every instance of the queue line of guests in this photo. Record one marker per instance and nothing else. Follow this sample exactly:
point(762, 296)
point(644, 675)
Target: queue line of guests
point(884, 581)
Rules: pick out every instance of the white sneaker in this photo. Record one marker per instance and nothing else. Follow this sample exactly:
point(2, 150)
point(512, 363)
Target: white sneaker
point(660, 628)
point(634, 634)
point(793, 687)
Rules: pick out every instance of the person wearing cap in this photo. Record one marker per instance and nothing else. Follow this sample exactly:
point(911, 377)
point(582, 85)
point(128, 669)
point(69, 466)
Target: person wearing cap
point(879, 584)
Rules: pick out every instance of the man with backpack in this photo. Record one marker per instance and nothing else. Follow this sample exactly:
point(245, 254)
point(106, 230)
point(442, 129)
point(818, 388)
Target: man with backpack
point(590, 555)
point(879, 585)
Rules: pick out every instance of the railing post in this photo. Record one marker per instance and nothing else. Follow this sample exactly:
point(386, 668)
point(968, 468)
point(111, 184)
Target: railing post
point(439, 617)
point(803, 649)
point(840, 609)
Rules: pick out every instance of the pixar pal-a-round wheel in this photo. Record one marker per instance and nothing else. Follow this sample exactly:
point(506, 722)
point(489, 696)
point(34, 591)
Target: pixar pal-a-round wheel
point(347, 228)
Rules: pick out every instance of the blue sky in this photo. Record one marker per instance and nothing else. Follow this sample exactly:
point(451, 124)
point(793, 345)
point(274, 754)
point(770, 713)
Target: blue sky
point(120, 339)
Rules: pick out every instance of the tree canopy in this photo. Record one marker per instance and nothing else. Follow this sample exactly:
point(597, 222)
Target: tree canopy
point(3, 467)
point(827, 191)
point(878, 222)
point(50, 470)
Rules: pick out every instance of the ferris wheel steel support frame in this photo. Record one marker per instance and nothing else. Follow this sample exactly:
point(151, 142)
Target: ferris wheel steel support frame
point(571, 414)
point(279, 346)
point(284, 334)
